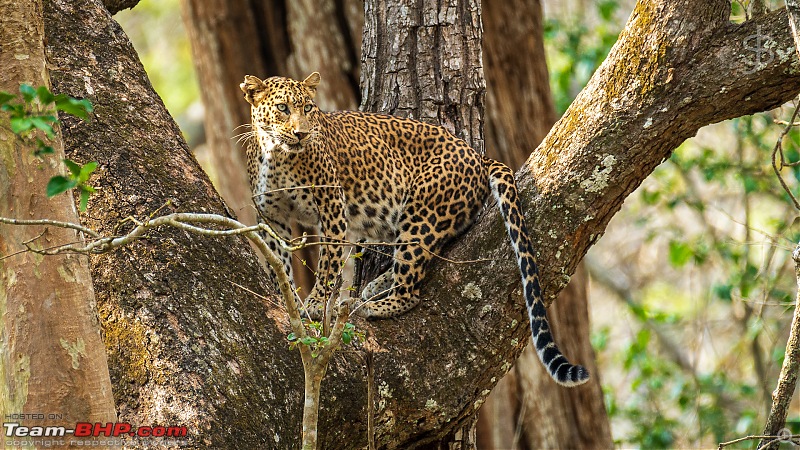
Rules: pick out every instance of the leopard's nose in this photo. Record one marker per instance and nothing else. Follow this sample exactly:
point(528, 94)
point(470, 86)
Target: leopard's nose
point(300, 135)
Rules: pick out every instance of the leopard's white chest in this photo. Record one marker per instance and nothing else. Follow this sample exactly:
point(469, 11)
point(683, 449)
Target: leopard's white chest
point(278, 193)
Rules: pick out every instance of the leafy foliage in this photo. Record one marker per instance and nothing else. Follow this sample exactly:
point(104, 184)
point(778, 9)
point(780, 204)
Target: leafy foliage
point(316, 340)
point(578, 49)
point(702, 277)
point(721, 225)
point(37, 111)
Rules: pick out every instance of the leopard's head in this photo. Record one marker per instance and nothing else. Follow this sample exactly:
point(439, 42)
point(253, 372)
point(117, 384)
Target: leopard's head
point(284, 115)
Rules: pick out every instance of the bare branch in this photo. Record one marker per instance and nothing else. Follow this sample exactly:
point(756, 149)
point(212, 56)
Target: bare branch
point(771, 439)
point(782, 396)
point(778, 151)
point(55, 223)
point(315, 365)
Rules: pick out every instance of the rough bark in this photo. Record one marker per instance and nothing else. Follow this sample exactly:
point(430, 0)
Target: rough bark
point(422, 59)
point(53, 360)
point(115, 6)
point(192, 348)
point(521, 412)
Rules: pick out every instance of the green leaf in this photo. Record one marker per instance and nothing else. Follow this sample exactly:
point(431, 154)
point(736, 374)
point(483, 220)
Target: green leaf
point(291, 337)
point(28, 92)
point(86, 171)
point(16, 110)
point(85, 193)
point(607, 9)
point(723, 291)
point(347, 337)
point(43, 150)
point(679, 253)
point(78, 108)
point(45, 96)
point(73, 167)
point(41, 122)
point(650, 197)
point(21, 125)
point(750, 184)
point(59, 184)
point(308, 340)
point(5, 97)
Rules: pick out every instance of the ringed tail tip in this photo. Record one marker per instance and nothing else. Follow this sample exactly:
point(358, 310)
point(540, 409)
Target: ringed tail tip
point(574, 376)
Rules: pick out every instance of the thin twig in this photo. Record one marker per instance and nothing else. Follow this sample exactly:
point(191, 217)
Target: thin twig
point(787, 381)
point(345, 242)
point(55, 223)
point(772, 439)
point(256, 294)
point(293, 188)
point(314, 365)
point(778, 151)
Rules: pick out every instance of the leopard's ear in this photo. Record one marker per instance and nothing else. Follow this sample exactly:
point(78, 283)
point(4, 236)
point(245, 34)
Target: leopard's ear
point(311, 82)
point(251, 87)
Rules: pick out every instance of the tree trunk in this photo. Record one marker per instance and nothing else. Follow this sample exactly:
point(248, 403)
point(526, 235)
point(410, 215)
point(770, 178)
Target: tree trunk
point(189, 346)
point(521, 412)
point(53, 360)
point(422, 60)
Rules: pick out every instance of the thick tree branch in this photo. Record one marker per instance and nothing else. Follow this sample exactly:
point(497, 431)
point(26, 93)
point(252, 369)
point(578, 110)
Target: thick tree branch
point(115, 6)
point(793, 9)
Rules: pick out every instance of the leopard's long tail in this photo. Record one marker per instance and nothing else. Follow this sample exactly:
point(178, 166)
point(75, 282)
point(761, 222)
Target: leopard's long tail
point(504, 189)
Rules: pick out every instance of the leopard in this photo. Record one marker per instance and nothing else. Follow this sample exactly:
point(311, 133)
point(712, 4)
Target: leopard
point(379, 178)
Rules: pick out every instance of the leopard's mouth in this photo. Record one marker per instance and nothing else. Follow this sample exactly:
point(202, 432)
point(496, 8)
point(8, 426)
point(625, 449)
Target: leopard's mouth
point(297, 147)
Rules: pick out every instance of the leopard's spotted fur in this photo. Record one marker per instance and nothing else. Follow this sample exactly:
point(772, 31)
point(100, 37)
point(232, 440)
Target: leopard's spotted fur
point(380, 178)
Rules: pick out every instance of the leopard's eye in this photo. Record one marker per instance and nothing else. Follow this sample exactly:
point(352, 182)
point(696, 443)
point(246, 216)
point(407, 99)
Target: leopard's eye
point(282, 107)
point(308, 107)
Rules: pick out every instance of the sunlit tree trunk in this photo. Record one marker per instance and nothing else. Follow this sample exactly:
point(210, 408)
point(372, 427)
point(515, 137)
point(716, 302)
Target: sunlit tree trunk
point(53, 360)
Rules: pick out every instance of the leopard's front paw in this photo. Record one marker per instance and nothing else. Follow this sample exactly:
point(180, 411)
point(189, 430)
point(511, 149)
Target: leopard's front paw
point(378, 288)
point(391, 306)
point(363, 309)
point(313, 308)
